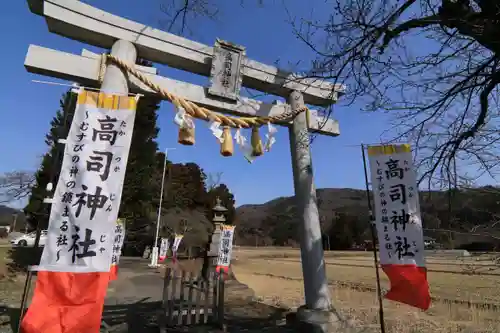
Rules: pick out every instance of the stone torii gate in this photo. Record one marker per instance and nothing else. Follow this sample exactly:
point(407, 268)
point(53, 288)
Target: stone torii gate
point(129, 40)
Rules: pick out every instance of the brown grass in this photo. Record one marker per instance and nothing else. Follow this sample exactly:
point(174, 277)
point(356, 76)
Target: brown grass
point(275, 276)
point(4, 261)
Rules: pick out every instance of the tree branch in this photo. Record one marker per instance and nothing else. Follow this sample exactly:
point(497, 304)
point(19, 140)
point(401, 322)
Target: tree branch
point(16, 185)
point(390, 34)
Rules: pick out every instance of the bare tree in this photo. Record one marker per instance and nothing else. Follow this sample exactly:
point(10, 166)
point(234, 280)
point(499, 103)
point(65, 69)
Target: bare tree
point(213, 180)
point(434, 63)
point(180, 228)
point(184, 227)
point(183, 16)
point(442, 94)
point(16, 185)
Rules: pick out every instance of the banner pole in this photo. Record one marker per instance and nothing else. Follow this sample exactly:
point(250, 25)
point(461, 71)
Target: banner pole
point(372, 229)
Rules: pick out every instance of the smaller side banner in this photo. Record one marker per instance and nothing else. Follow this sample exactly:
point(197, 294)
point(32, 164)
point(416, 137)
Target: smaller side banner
point(117, 248)
point(225, 248)
point(399, 224)
point(163, 249)
point(175, 246)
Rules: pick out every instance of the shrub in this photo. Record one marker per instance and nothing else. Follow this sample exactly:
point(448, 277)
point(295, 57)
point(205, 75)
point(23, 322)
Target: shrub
point(3, 233)
point(23, 257)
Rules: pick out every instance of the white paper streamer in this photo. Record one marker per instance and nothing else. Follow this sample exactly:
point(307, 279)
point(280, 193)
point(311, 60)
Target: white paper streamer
point(245, 148)
point(179, 118)
point(216, 130)
point(183, 120)
point(270, 139)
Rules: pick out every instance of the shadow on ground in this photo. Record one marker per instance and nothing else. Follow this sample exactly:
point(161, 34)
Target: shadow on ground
point(141, 317)
point(243, 315)
point(134, 300)
point(136, 317)
point(10, 318)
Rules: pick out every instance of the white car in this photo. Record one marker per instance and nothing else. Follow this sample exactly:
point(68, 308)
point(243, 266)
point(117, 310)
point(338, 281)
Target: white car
point(29, 239)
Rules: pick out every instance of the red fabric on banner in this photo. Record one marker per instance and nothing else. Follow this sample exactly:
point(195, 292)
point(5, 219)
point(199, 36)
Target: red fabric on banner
point(66, 303)
point(408, 285)
point(225, 269)
point(113, 273)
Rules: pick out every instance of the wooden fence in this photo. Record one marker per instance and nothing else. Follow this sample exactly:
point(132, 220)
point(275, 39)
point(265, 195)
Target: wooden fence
point(190, 300)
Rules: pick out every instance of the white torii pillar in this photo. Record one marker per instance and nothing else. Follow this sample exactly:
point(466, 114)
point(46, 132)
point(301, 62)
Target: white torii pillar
point(318, 314)
point(114, 80)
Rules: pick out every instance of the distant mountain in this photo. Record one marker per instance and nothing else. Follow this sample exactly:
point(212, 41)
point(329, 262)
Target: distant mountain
point(344, 217)
point(7, 217)
point(275, 222)
point(329, 200)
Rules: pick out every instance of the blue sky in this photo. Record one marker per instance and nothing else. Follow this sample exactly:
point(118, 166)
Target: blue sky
point(28, 107)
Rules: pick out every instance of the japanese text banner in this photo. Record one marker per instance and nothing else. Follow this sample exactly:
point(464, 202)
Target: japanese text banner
point(117, 248)
point(225, 247)
point(177, 241)
point(85, 205)
point(163, 249)
point(175, 246)
point(399, 224)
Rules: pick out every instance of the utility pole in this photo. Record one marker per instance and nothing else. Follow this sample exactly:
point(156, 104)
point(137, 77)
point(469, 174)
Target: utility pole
point(14, 222)
point(154, 253)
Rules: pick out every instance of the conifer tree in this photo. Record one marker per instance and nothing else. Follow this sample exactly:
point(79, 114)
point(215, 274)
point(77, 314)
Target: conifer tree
point(37, 212)
point(140, 192)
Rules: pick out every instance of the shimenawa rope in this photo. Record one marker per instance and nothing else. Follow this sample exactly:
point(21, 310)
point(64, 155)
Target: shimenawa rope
point(194, 110)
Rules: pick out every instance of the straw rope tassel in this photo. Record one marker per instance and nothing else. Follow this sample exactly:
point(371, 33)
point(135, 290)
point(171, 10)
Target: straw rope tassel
point(226, 147)
point(186, 136)
point(256, 141)
point(196, 111)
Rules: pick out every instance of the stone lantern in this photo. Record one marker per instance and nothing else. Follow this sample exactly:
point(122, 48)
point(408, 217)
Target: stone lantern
point(217, 220)
point(219, 211)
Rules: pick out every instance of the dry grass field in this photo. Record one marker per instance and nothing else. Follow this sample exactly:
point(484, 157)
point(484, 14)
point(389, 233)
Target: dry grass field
point(276, 277)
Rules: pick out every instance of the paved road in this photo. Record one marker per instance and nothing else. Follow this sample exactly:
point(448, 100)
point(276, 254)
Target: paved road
point(134, 298)
point(136, 281)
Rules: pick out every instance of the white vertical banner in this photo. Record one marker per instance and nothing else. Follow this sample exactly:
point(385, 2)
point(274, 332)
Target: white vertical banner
point(399, 223)
point(85, 205)
point(397, 209)
point(177, 242)
point(117, 248)
point(163, 249)
point(118, 242)
point(225, 247)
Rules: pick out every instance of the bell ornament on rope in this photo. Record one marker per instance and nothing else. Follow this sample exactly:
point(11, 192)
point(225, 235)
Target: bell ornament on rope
point(226, 147)
point(186, 127)
point(186, 136)
point(256, 142)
